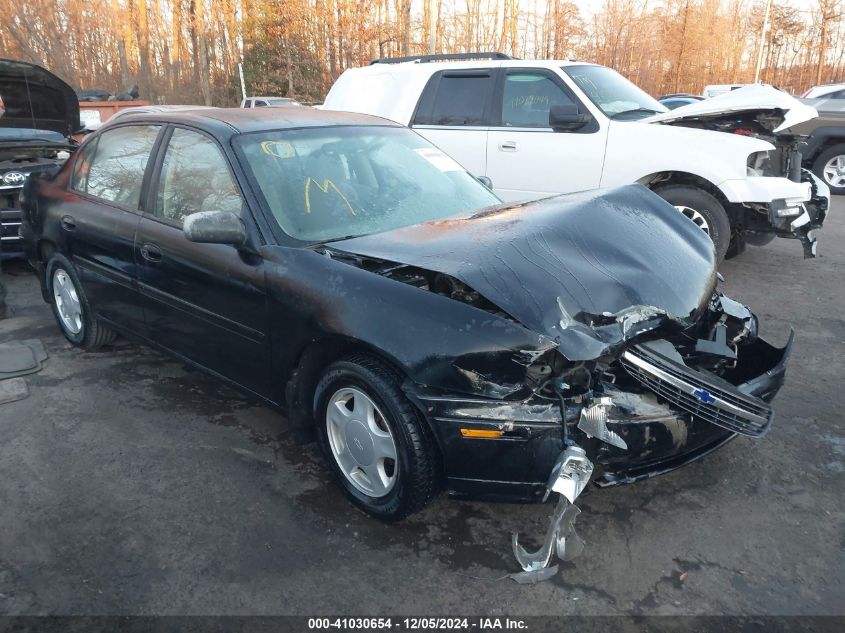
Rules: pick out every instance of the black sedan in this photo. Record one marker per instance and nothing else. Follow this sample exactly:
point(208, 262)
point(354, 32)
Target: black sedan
point(345, 270)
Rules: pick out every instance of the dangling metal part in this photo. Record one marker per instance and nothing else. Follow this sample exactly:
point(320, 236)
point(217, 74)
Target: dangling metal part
point(594, 423)
point(569, 476)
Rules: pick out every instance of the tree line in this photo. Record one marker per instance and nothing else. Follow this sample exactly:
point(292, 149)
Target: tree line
point(188, 51)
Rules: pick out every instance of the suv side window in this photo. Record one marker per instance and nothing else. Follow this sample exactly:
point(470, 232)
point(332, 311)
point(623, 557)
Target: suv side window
point(527, 97)
point(194, 177)
point(116, 170)
point(456, 98)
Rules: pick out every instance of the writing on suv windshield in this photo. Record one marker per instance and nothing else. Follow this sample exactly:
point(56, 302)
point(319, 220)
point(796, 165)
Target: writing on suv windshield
point(324, 184)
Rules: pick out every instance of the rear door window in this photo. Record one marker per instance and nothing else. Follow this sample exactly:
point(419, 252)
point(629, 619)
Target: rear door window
point(456, 98)
point(116, 170)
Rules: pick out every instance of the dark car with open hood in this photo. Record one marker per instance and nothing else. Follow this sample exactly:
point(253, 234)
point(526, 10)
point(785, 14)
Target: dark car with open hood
point(342, 268)
point(39, 113)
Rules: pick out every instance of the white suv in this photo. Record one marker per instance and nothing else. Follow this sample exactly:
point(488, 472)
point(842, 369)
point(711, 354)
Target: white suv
point(540, 128)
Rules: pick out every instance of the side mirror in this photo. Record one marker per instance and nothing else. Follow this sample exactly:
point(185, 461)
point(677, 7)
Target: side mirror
point(566, 118)
point(215, 227)
point(484, 180)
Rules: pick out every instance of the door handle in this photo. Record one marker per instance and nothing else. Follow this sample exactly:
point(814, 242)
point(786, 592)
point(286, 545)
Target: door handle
point(68, 223)
point(151, 252)
point(508, 146)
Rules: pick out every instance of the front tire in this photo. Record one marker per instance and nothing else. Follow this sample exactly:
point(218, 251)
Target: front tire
point(829, 166)
point(705, 210)
point(71, 308)
point(375, 440)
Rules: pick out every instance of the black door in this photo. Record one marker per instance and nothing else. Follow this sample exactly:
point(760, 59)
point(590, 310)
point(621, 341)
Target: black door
point(206, 302)
point(100, 215)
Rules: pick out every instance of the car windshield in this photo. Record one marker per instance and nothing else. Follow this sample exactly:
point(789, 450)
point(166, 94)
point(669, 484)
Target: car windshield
point(324, 184)
point(617, 97)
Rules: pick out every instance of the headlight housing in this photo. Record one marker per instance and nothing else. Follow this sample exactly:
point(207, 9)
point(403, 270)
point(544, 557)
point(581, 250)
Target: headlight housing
point(758, 164)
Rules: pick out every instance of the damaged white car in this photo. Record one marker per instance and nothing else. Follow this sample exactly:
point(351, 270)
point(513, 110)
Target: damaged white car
point(539, 128)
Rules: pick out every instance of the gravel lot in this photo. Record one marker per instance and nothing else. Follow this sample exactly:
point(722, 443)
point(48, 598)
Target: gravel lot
point(130, 484)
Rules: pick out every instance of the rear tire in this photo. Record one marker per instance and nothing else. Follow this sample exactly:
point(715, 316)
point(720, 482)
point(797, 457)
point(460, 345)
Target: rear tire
point(71, 308)
point(707, 211)
point(411, 480)
point(829, 166)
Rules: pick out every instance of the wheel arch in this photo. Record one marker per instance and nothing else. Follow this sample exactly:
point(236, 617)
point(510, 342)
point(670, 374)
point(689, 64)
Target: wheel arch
point(319, 355)
point(657, 179)
point(45, 249)
point(821, 140)
point(316, 357)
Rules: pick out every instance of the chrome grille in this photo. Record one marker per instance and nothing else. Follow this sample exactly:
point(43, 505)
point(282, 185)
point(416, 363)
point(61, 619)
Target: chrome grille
point(721, 405)
point(10, 219)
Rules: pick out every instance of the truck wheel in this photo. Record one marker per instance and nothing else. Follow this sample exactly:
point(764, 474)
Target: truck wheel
point(830, 167)
point(703, 209)
point(375, 441)
point(71, 308)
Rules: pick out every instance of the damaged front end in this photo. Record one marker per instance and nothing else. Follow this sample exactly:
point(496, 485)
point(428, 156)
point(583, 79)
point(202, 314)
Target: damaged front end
point(663, 400)
point(624, 362)
point(783, 200)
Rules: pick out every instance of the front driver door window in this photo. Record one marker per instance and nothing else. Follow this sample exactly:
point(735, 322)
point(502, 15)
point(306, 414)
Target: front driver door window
point(526, 159)
point(203, 301)
point(194, 177)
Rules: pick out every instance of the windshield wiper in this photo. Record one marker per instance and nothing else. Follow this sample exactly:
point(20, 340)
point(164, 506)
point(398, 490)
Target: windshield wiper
point(635, 111)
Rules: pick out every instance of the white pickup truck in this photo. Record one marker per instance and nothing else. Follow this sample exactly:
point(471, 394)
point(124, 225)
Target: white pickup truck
point(540, 128)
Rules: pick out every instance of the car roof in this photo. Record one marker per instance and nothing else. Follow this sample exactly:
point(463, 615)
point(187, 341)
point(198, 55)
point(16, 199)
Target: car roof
point(435, 66)
point(244, 120)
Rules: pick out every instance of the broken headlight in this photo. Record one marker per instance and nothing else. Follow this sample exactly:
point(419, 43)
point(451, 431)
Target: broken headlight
point(759, 164)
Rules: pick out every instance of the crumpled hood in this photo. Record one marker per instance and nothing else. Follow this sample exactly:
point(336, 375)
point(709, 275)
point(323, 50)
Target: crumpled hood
point(36, 99)
point(589, 270)
point(754, 98)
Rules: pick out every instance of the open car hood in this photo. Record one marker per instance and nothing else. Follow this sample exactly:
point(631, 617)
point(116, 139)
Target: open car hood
point(589, 270)
point(784, 109)
point(36, 99)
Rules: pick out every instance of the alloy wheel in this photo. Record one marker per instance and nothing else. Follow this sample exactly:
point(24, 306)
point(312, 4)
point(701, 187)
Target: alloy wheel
point(67, 302)
point(834, 171)
point(695, 216)
point(361, 442)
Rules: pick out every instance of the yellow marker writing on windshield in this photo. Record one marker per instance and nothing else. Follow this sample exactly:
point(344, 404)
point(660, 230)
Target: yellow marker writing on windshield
point(325, 189)
point(279, 149)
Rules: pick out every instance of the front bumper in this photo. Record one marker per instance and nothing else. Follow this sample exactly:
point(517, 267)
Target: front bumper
point(811, 215)
point(659, 435)
point(781, 207)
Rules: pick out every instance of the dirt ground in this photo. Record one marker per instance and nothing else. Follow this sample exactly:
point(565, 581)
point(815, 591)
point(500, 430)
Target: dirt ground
point(130, 484)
